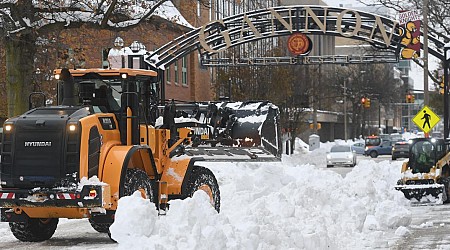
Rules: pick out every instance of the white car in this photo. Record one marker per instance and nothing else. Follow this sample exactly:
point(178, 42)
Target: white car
point(341, 155)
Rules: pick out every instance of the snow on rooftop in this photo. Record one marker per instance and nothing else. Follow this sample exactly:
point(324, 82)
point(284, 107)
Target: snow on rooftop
point(86, 12)
point(170, 12)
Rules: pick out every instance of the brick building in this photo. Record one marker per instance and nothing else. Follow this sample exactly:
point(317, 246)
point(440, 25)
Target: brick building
point(87, 47)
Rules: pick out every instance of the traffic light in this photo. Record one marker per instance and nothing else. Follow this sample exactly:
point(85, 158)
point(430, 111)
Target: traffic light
point(441, 86)
point(319, 125)
point(408, 98)
point(367, 103)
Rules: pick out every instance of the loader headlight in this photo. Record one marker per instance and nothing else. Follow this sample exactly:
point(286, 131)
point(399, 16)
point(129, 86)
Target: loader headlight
point(93, 193)
point(124, 76)
point(57, 76)
point(8, 127)
point(72, 127)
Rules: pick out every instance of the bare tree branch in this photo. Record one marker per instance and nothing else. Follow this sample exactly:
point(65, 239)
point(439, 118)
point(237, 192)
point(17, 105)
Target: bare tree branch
point(153, 9)
point(112, 6)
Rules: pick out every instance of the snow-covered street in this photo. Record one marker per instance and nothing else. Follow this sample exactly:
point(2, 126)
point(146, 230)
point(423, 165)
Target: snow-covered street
point(294, 204)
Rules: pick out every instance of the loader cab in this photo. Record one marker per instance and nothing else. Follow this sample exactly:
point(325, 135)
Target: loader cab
point(112, 91)
point(425, 153)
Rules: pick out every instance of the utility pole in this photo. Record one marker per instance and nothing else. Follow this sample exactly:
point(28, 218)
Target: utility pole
point(425, 53)
point(446, 89)
point(315, 101)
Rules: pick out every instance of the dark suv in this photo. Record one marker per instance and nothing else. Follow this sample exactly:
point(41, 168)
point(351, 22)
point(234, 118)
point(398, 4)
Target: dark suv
point(400, 150)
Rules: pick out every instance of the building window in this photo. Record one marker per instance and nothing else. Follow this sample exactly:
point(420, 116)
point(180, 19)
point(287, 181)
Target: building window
point(184, 71)
point(176, 72)
point(168, 75)
point(105, 62)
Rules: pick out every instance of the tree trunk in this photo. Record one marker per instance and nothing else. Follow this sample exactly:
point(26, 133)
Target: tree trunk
point(20, 53)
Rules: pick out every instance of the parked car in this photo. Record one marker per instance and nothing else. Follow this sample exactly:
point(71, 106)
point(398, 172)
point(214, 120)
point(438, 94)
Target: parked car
point(385, 148)
point(372, 141)
point(341, 155)
point(400, 150)
point(359, 148)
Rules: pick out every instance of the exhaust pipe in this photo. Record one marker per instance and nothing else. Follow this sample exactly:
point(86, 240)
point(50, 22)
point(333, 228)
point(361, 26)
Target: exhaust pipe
point(68, 88)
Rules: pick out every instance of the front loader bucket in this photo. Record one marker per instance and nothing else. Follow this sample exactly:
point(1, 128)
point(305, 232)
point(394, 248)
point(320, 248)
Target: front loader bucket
point(257, 125)
point(231, 130)
point(423, 193)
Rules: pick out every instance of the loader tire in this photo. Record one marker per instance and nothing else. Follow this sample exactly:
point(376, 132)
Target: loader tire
point(445, 181)
point(135, 179)
point(34, 230)
point(100, 227)
point(203, 179)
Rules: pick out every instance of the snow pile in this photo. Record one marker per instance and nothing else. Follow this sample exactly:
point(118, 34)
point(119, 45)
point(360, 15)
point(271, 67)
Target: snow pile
point(192, 224)
point(133, 211)
point(288, 205)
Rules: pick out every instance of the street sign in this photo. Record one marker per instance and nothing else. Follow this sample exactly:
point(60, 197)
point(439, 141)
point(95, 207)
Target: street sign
point(426, 119)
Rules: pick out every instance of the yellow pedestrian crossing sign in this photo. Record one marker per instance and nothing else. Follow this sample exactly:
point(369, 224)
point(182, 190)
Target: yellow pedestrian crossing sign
point(426, 119)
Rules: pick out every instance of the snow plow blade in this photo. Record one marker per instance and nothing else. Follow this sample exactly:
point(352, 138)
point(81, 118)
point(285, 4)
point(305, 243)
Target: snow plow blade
point(422, 193)
point(222, 154)
point(228, 131)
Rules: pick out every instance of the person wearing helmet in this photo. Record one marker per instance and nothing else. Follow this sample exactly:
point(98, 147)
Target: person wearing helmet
point(425, 159)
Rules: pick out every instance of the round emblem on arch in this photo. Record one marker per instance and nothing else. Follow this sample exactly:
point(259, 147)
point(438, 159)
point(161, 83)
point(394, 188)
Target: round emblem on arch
point(299, 44)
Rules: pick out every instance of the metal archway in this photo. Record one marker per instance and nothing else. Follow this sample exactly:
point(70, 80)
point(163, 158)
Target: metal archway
point(219, 35)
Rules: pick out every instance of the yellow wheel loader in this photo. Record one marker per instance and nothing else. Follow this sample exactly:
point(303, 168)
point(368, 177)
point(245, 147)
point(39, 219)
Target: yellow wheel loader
point(425, 176)
point(77, 159)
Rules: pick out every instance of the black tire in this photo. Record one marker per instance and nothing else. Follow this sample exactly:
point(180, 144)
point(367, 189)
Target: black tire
point(202, 178)
point(445, 181)
point(373, 154)
point(100, 227)
point(34, 230)
point(329, 166)
point(135, 179)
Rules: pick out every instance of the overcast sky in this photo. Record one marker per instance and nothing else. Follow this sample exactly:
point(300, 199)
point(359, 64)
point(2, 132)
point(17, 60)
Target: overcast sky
point(346, 3)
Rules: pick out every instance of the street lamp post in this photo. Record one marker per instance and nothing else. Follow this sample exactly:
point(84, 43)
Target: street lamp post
point(229, 88)
point(425, 53)
point(118, 44)
point(345, 110)
point(446, 87)
point(379, 115)
point(363, 74)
